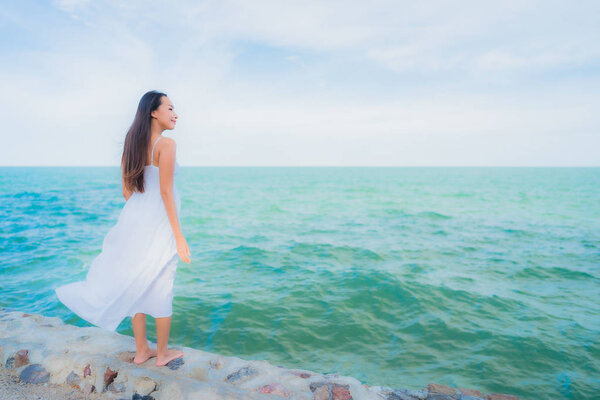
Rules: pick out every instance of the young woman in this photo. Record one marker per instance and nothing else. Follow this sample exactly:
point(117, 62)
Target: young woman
point(133, 275)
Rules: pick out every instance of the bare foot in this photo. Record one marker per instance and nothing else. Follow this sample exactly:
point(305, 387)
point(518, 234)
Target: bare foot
point(143, 357)
point(171, 355)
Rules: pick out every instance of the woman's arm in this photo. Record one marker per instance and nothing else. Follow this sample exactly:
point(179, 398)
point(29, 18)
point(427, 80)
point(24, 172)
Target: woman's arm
point(166, 169)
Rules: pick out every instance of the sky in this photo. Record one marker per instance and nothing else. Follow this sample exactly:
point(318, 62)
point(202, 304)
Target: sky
point(305, 83)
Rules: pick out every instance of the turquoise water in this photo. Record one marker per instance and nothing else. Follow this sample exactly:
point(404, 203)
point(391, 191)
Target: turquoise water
point(475, 277)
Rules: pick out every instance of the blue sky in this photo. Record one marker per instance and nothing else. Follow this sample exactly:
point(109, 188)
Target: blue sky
point(471, 83)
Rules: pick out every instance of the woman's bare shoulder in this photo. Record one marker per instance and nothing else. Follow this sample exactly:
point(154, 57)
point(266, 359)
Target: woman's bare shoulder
point(167, 140)
point(166, 143)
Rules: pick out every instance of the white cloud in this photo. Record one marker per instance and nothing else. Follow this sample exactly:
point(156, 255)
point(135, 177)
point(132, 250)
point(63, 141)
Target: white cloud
point(532, 59)
point(70, 6)
point(409, 35)
point(468, 106)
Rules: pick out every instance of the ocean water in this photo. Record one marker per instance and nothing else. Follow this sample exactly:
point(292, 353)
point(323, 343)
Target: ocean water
point(472, 277)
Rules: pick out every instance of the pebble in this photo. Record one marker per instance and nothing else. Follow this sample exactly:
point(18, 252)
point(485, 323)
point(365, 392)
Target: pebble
point(73, 379)
point(275, 388)
point(34, 373)
point(21, 358)
point(241, 375)
point(175, 364)
point(109, 376)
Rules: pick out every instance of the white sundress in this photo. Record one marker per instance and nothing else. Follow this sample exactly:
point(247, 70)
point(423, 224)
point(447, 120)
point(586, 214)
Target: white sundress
point(135, 271)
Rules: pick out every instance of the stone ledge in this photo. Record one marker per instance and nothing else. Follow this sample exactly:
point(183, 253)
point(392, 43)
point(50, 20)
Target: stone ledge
point(42, 349)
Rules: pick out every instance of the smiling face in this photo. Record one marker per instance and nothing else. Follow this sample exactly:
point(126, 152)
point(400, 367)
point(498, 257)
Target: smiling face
point(165, 115)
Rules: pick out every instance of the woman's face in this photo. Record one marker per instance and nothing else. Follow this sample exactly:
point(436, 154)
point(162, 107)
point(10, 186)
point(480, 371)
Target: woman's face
point(165, 114)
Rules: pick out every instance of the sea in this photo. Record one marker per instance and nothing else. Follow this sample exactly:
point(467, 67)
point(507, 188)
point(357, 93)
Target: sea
point(474, 277)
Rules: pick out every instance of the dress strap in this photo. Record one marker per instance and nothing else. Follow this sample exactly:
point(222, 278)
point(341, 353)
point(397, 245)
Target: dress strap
point(152, 155)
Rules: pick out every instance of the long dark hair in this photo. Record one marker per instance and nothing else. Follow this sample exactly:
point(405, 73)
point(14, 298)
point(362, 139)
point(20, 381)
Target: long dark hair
point(135, 148)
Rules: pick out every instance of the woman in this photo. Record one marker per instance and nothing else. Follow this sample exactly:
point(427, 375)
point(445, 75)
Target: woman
point(133, 275)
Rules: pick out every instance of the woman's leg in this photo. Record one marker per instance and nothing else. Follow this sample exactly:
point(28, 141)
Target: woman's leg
point(142, 351)
point(164, 355)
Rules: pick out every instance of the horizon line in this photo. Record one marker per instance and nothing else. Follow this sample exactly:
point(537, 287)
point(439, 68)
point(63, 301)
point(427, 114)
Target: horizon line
point(317, 166)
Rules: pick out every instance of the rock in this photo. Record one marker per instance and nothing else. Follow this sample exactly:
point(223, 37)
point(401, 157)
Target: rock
point(34, 373)
point(316, 385)
point(417, 394)
point(216, 364)
point(321, 390)
point(73, 380)
point(321, 393)
point(341, 392)
point(499, 396)
point(137, 396)
point(441, 396)
point(117, 387)
point(144, 385)
point(175, 364)
point(21, 358)
point(109, 376)
point(274, 388)
point(87, 371)
point(241, 375)
point(407, 394)
point(301, 374)
point(398, 395)
point(470, 392)
point(441, 389)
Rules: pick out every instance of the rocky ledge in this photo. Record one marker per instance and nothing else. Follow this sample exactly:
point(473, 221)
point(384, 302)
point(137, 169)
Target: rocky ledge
point(43, 350)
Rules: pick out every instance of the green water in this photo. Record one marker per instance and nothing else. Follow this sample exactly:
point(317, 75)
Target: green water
point(475, 277)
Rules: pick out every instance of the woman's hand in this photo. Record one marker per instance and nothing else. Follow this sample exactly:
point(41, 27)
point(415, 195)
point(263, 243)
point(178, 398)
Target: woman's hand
point(183, 249)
